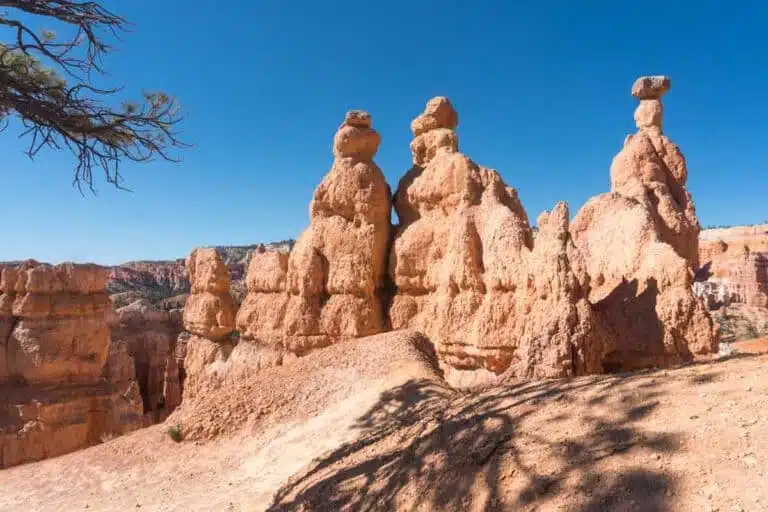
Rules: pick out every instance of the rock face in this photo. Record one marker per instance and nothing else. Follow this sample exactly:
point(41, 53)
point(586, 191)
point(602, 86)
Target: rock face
point(469, 275)
point(329, 288)
point(60, 334)
point(640, 247)
point(209, 311)
point(734, 266)
point(149, 337)
point(55, 344)
point(154, 281)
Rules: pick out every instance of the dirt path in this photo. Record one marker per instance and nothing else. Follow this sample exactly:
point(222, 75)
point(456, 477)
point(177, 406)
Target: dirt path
point(694, 438)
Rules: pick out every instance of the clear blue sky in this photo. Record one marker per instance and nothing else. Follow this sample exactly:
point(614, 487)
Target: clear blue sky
point(542, 91)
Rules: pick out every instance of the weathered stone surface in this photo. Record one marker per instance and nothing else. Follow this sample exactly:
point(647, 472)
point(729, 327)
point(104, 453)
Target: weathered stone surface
point(60, 393)
point(639, 244)
point(209, 365)
point(328, 289)
point(60, 329)
point(734, 266)
point(37, 422)
point(651, 87)
point(120, 371)
point(149, 335)
point(209, 311)
point(469, 275)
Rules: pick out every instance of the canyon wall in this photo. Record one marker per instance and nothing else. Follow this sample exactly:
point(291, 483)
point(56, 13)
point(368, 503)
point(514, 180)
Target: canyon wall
point(734, 266)
point(148, 335)
point(733, 280)
point(57, 392)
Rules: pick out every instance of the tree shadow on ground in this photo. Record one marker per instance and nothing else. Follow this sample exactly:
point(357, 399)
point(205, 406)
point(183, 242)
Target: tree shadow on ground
point(426, 447)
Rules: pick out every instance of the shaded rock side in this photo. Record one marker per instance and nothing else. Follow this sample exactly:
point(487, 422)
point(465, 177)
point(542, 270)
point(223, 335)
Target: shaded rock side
point(329, 288)
point(639, 244)
point(149, 337)
point(468, 274)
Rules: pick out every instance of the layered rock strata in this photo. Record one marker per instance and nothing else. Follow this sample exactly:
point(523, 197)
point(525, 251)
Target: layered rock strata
point(639, 243)
point(734, 266)
point(468, 273)
point(55, 343)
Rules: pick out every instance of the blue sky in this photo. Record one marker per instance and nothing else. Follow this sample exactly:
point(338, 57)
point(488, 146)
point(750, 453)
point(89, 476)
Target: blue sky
point(542, 91)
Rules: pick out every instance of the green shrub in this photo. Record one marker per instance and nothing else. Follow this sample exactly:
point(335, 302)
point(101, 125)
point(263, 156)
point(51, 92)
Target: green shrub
point(174, 433)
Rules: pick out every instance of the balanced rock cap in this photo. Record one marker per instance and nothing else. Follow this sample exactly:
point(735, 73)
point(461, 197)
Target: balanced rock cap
point(439, 113)
point(358, 118)
point(651, 87)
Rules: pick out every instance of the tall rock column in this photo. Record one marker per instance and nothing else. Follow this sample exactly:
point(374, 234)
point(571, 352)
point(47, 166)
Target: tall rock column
point(469, 275)
point(329, 288)
point(209, 316)
point(639, 244)
point(652, 170)
point(209, 311)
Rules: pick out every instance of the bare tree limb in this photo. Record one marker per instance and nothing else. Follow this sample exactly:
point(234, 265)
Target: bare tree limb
point(71, 113)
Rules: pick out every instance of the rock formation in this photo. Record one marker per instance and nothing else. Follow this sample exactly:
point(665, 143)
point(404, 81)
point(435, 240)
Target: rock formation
point(329, 288)
point(468, 273)
point(208, 318)
point(734, 266)
point(209, 311)
point(149, 337)
point(55, 343)
point(640, 246)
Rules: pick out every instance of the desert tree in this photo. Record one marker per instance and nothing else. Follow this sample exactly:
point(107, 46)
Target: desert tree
point(46, 81)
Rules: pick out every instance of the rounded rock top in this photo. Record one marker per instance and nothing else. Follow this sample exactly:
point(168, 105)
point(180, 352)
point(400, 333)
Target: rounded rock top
point(358, 119)
point(439, 113)
point(651, 87)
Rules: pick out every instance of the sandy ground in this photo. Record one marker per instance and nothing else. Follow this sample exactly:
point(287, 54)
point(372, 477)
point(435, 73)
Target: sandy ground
point(688, 439)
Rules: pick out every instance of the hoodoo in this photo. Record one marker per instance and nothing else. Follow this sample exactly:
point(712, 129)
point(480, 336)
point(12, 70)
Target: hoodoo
point(330, 287)
point(640, 246)
point(469, 274)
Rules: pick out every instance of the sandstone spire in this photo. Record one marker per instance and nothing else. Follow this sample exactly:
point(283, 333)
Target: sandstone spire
point(209, 311)
point(329, 288)
point(469, 275)
point(651, 169)
point(640, 246)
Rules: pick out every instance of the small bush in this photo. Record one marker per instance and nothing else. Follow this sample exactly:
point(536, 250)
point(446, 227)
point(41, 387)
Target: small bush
point(174, 433)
